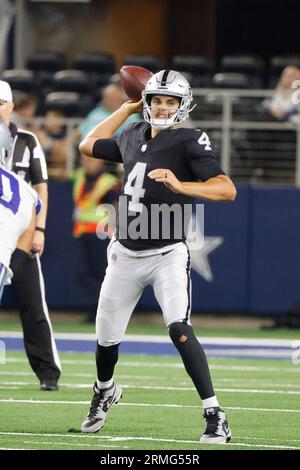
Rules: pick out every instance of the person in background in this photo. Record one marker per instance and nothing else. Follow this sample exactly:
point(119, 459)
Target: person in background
point(92, 186)
point(280, 105)
point(112, 98)
point(25, 108)
point(53, 138)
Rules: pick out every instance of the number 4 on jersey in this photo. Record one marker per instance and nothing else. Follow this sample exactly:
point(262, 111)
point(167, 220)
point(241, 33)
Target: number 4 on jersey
point(204, 140)
point(134, 186)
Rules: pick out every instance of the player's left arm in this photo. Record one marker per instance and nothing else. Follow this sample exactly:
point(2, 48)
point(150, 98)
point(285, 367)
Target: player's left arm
point(38, 244)
point(214, 184)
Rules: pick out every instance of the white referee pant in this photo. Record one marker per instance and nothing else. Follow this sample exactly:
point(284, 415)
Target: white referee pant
point(167, 270)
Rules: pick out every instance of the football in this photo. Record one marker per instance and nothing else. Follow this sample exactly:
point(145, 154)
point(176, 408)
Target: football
point(134, 79)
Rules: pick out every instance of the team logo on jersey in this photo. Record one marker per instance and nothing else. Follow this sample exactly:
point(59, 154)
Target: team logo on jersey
point(144, 148)
point(114, 257)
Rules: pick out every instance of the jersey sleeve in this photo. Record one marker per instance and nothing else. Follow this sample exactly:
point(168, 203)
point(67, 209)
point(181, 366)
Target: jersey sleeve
point(38, 165)
point(107, 149)
point(201, 157)
point(113, 149)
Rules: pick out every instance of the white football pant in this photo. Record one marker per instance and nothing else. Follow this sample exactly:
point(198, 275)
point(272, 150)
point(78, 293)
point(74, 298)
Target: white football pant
point(167, 270)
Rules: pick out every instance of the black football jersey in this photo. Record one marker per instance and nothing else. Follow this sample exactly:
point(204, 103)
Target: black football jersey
point(150, 214)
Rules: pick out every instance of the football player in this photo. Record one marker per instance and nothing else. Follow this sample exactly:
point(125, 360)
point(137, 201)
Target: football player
point(166, 166)
point(27, 160)
point(18, 206)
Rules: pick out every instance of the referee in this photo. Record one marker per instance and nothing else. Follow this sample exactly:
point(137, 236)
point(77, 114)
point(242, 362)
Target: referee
point(28, 161)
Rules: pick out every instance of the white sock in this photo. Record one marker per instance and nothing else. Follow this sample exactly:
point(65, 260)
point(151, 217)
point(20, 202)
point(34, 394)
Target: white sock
point(102, 385)
point(211, 402)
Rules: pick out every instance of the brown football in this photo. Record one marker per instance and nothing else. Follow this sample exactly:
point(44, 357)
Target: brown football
point(134, 79)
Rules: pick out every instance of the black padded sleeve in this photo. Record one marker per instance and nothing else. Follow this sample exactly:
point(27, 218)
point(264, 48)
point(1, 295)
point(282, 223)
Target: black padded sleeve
point(107, 149)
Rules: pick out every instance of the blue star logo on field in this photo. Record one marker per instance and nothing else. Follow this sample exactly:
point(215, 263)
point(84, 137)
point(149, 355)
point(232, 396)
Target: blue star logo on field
point(199, 257)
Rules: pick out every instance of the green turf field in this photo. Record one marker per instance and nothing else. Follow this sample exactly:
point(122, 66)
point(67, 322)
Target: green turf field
point(159, 408)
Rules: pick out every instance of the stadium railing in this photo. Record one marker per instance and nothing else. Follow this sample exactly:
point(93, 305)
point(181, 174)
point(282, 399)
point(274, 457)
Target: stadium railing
point(251, 145)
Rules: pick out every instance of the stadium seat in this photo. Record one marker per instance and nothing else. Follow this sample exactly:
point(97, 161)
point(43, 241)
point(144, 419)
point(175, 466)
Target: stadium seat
point(99, 66)
point(252, 65)
point(46, 61)
point(193, 64)
point(19, 79)
point(71, 80)
point(278, 62)
point(97, 62)
point(72, 104)
point(148, 61)
point(198, 68)
point(248, 64)
point(235, 80)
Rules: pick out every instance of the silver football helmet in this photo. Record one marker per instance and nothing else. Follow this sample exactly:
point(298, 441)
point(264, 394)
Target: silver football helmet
point(5, 145)
point(168, 83)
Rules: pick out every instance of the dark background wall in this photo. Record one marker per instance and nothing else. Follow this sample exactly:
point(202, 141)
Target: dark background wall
point(191, 27)
point(165, 27)
point(262, 27)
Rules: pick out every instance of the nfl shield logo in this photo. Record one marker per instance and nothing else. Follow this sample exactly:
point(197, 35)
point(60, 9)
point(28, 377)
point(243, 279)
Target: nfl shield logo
point(144, 148)
point(114, 257)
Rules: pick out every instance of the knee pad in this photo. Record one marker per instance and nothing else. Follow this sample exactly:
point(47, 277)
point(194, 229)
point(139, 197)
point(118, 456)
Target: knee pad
point(180, 332)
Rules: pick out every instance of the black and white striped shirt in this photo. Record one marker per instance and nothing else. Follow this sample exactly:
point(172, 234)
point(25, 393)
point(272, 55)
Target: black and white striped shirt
point(27, 158)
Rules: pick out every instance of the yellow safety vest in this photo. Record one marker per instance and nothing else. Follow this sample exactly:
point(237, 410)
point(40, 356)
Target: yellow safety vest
point(86, 219)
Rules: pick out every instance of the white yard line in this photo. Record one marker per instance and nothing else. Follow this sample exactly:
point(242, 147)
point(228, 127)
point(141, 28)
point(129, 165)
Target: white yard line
point(142, 438)
point(12, 448)
point(5, 387)
point(98, 437)
point(73, 445)
point(170, 365)
point(238, 381)
point(155, 387)
point(85, 375)
point(151, 405)
point(267, 439)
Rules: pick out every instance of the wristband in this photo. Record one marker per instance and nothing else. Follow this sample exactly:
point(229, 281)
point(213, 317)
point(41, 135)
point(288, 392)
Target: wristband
point(40, 229)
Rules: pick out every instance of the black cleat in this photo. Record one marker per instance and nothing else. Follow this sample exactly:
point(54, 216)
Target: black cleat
point(102, 401)
point(48, 385)
point(217, 429)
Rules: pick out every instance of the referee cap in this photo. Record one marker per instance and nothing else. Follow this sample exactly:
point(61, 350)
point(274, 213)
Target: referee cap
point(5, 91)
